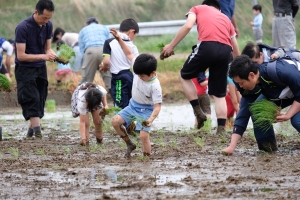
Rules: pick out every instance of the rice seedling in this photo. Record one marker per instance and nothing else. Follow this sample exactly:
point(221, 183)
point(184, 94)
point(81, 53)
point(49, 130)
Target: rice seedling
point(174, 144)
point(50, 105)
point(66, 53)
point(162, 56)
point(14, 151)
point(122, 144)
point(94, 148)
point(199, 141)
point(142, 158)
point(67, 150)
point(207, 126)
point(40, 151)
point(264, 113)
point(4, 82)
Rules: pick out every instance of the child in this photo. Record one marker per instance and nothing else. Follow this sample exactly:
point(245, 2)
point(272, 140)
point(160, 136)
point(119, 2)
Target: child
point(256, 23)
point(216, 40)
point(116, 61)
point(3, 69)
point(89, 97)
point(63, 70)
point(146, 100)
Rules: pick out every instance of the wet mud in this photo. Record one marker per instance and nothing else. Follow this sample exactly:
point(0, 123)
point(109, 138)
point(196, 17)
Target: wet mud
point(184, 164)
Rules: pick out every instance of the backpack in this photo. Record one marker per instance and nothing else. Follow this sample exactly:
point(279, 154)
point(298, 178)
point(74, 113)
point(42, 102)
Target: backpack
point(291, 54)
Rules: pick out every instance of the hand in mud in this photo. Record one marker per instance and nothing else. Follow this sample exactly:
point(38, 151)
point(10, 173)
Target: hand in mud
point(146, 123)
point(115, 33)
point(102, 113)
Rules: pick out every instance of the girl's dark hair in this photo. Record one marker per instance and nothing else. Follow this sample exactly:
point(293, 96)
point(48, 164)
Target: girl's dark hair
point(241, 66)
point(128, 24)
point(44, 4)
point(93, 98)
point(58, 44)
point(213, 3)
point(257, 7)
point(145, 64)
point(252, 50)
point(57, 31)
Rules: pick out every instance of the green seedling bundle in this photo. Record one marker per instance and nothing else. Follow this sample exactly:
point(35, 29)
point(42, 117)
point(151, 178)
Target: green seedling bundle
point(66, 54)
point(264, 113)
point(162, 56)
point(50, 105)
point(4, 82)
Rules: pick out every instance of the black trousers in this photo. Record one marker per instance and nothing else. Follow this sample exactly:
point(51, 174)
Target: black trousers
point(32, 90)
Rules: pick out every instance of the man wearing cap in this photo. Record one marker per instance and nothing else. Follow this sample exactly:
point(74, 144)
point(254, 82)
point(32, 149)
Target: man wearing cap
point(91, 40)
point(283, 27)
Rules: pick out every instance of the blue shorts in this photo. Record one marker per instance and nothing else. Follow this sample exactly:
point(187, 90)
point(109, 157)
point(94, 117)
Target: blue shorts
point(136, 112)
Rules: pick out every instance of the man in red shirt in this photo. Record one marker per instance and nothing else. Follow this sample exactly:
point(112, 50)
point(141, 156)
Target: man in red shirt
point(216, 40)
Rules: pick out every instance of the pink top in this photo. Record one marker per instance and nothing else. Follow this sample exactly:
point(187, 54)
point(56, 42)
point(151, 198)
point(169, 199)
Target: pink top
point(212, 25)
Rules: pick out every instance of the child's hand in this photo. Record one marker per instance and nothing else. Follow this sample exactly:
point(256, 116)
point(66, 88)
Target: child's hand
point(251, 23)
point(115, 33)
point(274, 56)
point(146, 123)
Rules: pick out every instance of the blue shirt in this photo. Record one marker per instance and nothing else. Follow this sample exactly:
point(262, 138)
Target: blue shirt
point(227, 7)
point(257, 21)
point(35, 37)
point(93, 35)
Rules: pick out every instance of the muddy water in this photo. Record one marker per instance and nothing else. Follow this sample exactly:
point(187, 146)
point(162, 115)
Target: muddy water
point(56, 167)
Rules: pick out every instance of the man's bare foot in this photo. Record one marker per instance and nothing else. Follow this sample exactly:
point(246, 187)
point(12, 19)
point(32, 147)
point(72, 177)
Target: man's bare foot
point(228, 151)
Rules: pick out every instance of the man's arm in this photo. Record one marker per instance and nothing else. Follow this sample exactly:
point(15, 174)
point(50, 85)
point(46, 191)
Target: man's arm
point(183, 31)
point(24, 57)
point(235, 47)
point(105, 65)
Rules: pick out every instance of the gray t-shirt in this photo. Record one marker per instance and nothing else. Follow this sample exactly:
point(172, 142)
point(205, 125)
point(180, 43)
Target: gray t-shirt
point(284, 6)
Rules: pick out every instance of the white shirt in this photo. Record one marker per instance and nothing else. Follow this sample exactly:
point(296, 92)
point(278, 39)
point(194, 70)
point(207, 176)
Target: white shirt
point(70, 38)
point(6, 46)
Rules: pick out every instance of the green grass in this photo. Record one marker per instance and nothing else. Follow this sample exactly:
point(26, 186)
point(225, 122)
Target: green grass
point(14, 151)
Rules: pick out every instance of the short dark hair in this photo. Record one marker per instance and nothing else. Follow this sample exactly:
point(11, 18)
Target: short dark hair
point(241, 66)
point(93, 97)
point(257, 7)
point(252, 50)
point(57, 31)
point(44, 4)
point(145, 64)
point(58, 44)
point(213, 3)
point(128, 24)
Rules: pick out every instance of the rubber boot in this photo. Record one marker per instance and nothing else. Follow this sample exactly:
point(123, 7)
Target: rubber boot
point(200, 116)
point(130, 145)
point(29, 133)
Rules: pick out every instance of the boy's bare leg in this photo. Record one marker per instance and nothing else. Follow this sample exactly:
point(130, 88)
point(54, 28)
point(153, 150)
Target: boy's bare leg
point(36, 127)
point(85, 135)
point(98, 122)
point(117, 122)
point(190, 92)
point(144, 137)
point(234, 140)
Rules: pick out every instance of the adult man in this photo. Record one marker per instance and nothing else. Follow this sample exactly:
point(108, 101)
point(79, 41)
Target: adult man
point(33, 49)
point(283, 27)
point(6, 46)
point(227, 8)
point(91, 40)
point(248, 75)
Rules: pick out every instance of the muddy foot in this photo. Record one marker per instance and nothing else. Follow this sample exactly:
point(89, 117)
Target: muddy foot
point(99, 141)
point(227, 151)
point(84, 142)
point(130, 148)
point(221, 130)
point(146, 154)
point(200, 116)
point(38, 135)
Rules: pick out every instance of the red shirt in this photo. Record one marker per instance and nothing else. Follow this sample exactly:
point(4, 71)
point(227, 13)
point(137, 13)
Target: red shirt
point(212, 25)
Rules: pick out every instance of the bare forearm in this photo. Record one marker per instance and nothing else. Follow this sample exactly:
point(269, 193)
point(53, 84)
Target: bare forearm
point(183, 31)
point(31, 57)
point(154, 113)
point(295, 108)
